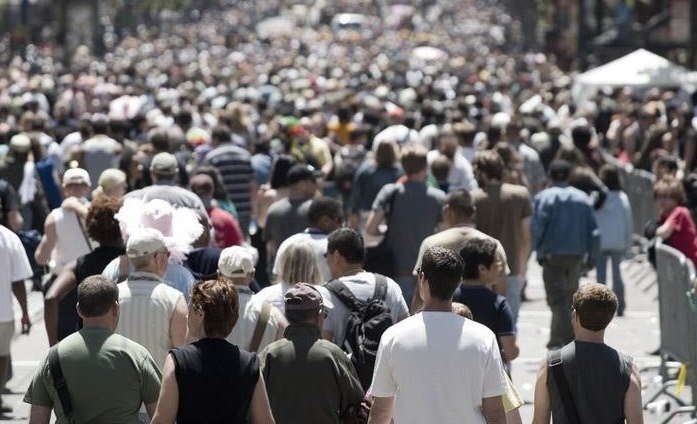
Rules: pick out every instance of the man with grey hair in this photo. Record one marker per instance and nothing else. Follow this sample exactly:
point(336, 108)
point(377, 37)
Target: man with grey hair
point(163, 169)
point(259, 323)
point(90, 358)
point(152, 313)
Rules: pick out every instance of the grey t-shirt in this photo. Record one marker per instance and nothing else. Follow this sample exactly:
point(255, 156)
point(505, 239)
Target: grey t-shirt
point(413, 216)
point(286, 217)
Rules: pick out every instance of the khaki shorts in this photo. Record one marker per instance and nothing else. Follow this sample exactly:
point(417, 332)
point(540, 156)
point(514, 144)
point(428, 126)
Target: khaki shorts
point(7, 330)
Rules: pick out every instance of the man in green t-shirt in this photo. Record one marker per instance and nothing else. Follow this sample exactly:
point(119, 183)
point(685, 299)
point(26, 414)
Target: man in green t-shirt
point(108, 376)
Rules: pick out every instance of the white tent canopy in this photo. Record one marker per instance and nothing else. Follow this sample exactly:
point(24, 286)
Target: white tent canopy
point(640, 68)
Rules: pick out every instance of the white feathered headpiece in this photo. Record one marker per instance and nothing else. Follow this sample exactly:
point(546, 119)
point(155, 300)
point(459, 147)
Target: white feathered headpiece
point(179, 226)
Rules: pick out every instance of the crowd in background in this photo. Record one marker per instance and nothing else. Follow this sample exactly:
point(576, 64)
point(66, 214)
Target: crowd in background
point(179, 145)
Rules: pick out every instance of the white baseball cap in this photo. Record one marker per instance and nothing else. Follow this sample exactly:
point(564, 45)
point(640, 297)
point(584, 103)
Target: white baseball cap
point(145, 242)
point(236, 261)
point(76, 176)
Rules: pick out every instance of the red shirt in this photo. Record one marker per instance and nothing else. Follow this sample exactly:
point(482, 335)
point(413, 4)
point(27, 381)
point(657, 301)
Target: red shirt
point(227, 230)
point(684, 236)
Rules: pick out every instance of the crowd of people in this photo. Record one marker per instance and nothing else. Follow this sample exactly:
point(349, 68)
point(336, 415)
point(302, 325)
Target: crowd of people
point(329, 226)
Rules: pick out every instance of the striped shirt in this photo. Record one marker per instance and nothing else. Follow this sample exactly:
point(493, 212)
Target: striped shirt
point(235, 167)
point(147, 304)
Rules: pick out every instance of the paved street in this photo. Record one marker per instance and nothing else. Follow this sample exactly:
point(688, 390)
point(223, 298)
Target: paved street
point(636, 333)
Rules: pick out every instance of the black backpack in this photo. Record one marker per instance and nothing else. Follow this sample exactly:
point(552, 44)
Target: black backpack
point(366, 323)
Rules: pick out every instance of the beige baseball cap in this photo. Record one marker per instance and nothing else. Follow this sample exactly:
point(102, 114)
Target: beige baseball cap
point(145, 242)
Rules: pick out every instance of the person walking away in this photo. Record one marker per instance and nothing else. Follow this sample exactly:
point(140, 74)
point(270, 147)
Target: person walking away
point(258, 323)
point(413, 206)
point(104, 229)
point(329, 381)
point(561, 248)
point(503, 212)
point(459, 219)
point(211, 380)
point(421, 352)
point(106, 377)
point(615, 228)
point(152, 313)
point(602, 384)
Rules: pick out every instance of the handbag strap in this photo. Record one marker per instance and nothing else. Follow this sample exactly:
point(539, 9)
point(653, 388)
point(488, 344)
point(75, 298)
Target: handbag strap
point(84, 233)
point(59, 383)
point(264, 316)
point(556, 364)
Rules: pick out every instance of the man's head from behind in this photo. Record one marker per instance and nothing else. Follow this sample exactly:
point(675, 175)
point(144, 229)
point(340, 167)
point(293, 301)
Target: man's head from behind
point(440, 274)
point(325, 214)
point(458, 208)
point(97, 300)
point(487, 166)
point(559, 171)
point(76, 182)
point(594, 306)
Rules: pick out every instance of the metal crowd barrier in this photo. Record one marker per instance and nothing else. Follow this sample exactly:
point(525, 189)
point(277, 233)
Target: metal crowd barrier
point(638, 184)
point(678, 323)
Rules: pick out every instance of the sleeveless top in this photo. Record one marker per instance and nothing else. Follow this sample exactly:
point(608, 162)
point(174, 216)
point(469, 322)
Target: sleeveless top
point(87, 265)
point(71, 242)
point(216, 380)
point(598, 378)
point(147, 304)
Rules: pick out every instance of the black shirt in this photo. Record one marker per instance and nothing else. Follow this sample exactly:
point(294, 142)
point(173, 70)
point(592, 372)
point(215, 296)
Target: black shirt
point(487, 308)
point(216, 380)
point(87, 265)
point(203, 263)
point(8, 202)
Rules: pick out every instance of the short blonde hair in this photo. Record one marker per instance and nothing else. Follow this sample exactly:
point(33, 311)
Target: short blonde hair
point(299, 265)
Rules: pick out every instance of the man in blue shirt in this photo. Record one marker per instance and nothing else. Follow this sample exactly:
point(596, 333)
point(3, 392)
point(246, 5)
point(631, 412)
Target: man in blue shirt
point(562, 227)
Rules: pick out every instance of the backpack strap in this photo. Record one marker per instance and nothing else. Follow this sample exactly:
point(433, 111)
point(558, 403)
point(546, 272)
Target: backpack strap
point(59, 383)
point(264, 316)
point(380, 287)
point(345, 295)
point(556, 365)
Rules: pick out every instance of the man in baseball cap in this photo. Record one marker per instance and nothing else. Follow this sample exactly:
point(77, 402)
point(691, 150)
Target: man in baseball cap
point(329, 380)
point(259, 323)
point(145, 294)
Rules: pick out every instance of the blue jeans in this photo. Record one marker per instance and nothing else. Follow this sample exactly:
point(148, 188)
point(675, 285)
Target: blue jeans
point(601, 273)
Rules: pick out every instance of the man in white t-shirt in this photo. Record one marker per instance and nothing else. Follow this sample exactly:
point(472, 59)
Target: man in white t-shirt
point(259, 323)
point(345, 259)
point(15, 269)
point(436, 366)
point(325, 216)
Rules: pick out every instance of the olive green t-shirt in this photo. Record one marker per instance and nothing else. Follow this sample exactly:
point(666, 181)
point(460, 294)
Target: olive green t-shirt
point(108, 378)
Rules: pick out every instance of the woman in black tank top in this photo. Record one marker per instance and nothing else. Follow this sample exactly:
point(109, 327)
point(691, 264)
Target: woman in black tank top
point(211, 380)
point(102, 227)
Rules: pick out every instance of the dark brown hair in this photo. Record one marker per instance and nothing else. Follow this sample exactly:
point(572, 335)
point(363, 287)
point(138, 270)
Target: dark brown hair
point(100, 223)
point(595, 306)
point(96, 295)
point(218, 301)
point(442, 268)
